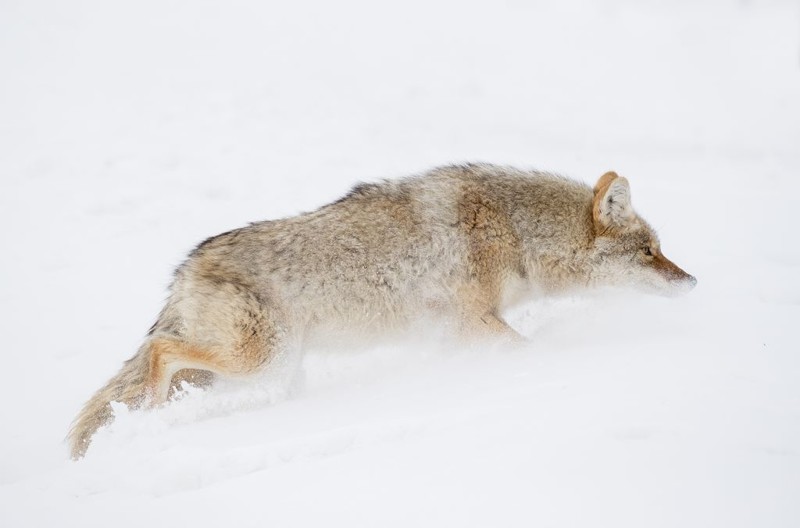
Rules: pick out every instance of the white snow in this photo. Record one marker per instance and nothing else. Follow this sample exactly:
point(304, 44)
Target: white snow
point(131, 131)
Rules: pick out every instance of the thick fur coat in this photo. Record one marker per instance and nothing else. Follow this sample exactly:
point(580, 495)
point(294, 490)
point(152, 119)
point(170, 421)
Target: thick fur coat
point(459, 243)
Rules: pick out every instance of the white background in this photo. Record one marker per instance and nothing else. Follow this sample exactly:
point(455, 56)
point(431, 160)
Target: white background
point(130, 131)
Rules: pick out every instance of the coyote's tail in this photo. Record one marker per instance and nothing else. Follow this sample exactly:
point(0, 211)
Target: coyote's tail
point(128, 387)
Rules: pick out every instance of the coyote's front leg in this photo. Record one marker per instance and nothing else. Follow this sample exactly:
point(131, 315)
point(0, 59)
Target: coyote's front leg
point(488, 325)
point(480, 320)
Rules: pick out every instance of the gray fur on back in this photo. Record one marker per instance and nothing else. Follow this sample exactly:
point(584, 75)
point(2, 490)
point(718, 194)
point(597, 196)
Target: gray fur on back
point(388, 251)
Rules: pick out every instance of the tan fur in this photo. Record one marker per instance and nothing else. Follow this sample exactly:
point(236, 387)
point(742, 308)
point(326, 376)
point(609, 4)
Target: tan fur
point(611, 209)
point(459, 242)
point(667, 268)
point(604, 181)
point(493, 257)
point(600, 189)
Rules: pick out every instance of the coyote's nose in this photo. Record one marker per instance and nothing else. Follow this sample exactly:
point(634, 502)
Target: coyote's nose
point(692, 281)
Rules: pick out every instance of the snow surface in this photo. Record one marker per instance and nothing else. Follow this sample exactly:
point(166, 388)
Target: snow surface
point(131, 131)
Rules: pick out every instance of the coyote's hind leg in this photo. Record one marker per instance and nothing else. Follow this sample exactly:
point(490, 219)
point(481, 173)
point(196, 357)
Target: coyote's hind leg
point(194, 377)
point(215, 324)
point(168, 356)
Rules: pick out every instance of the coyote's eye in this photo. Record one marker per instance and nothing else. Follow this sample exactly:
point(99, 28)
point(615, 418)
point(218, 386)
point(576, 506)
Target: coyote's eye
point(647, 251)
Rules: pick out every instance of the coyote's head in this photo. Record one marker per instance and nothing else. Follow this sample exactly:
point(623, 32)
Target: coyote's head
point(626, 249)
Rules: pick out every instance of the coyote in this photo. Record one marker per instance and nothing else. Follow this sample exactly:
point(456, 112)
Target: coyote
point(460, 243)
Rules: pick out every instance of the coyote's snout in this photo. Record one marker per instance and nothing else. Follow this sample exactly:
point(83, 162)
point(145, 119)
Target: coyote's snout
point(459, 242)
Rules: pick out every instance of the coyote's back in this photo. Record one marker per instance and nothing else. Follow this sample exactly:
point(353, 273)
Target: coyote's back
point(458, 243)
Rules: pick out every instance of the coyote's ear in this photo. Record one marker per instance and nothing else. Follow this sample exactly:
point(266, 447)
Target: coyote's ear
point(612, 202)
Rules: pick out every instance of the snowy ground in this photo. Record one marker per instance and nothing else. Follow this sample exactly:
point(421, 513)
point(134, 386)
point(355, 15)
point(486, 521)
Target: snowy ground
point(131, 132)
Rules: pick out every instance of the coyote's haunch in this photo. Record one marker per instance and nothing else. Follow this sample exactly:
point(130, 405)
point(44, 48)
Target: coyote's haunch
point(459, 243)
